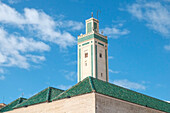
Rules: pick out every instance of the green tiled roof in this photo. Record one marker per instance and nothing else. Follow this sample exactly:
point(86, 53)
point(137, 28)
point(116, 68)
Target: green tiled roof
point(92, 84)
point(80, 88)
point(47, 95)
point(10, 106)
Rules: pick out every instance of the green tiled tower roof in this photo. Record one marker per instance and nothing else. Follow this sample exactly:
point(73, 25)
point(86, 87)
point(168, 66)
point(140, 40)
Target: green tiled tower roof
point(47, 95)
point(10, 106)
point(91, 84)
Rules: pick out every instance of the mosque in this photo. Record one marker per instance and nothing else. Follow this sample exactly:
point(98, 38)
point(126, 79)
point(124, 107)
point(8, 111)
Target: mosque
point(93, 93)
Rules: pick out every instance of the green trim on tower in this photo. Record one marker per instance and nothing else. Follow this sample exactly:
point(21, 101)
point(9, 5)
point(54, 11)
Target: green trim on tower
point(100, 44)
point(106, 64)
point(92, 60)
point(79, 65)
point(92, 36)
point(89, 27)
point(85, 43)
point(100, 38)
point(86, 38)
point(96, 59)
point(95, 26)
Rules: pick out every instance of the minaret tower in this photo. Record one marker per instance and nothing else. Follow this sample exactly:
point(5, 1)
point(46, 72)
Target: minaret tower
point(92, 52)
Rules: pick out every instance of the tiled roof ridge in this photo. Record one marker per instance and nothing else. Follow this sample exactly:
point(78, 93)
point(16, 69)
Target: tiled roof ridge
point(30, 98)
point(134, 91)
point(18, 99)
point(48, 94)
point(55, 88)
point(69, 89)
point(47, 98)
point(91, 83)
point(140, 95)
point(12, 102)
point(58, 96)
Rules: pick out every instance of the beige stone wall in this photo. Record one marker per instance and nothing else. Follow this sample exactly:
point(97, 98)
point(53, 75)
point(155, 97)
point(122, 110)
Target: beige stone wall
point(78, 104)
point(86, 62)
point(87, 103)
point(105, 104)
point(101, 62)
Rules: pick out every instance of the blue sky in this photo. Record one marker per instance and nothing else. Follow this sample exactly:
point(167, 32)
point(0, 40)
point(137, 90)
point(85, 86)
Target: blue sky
point(38, 44)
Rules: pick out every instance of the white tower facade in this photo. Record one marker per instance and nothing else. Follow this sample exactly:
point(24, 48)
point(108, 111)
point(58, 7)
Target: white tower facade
point(92, 53)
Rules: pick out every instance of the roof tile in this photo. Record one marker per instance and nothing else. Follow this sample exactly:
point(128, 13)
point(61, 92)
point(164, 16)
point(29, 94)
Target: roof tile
point(10, 106)
point(44, 96)
point(91, 84)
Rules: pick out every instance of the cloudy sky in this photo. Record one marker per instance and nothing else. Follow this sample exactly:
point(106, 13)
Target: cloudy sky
point(38, 44)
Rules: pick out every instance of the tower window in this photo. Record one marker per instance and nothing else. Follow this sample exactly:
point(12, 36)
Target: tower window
point(101, 74)
point(100, 55)
point(86, 55)
point(85, 62)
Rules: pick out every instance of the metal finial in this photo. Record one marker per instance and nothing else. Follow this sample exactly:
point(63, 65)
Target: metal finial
point(98, 13)
point(102, 32)
point(3, 99)
point(91, 14)
point(22, 95)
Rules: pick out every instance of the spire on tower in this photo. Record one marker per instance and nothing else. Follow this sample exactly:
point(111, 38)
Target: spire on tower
point(98, 11)
point(91, 14)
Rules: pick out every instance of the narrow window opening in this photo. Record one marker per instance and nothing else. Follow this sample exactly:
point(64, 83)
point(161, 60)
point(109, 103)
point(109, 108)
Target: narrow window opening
point(86, 55)
point(100, 55)
point(101, 74)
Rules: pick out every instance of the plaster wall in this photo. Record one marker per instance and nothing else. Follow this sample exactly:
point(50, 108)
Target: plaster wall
point(78, 104)
point(86, 62)
point(90, 66)
point(106, 104)
point(86, 103)
point(101, 61)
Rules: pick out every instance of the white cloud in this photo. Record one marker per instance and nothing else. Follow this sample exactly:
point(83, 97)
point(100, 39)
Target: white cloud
point(64, 87)
point(20, 51)
point(14, 49)
point(42, 24)
point(115, 72)
point(1, 70)
point(72, 63)
point(168, 101)
point(2, 77)
point(13, 1)
point(70, 24)
point(167, 0)
point(35, 58)
point(128, 84)
point(110, 57)
point(167, 47)
point(70, 76)
point(155, 14)
point(115, 31)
